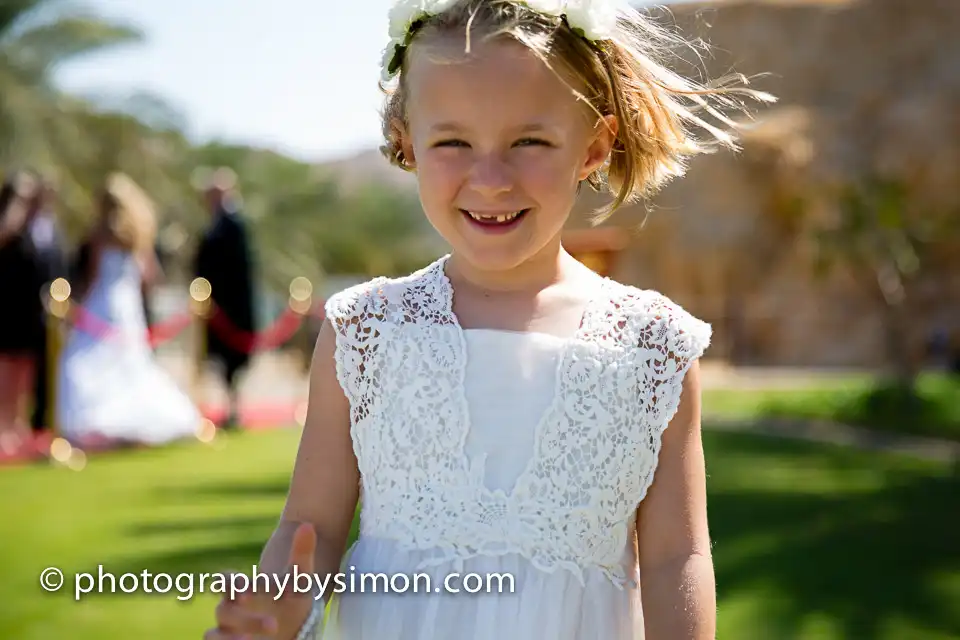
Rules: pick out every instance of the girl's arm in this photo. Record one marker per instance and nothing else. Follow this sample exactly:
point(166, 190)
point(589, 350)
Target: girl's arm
point(325, 486)
point(323, 494)
point(676, 568)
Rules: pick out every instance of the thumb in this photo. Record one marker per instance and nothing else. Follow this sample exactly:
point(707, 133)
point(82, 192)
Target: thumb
point(302, 548)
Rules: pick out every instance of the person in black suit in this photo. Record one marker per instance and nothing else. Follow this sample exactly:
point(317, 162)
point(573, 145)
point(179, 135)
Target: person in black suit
point(224, 259)
point(21, 324)
point(48, 243)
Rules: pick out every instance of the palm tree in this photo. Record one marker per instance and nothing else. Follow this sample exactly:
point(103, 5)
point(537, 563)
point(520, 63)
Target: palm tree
point(76, 141)
point(38, 123)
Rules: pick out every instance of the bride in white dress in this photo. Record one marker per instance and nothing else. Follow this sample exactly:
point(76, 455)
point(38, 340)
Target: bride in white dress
point(109, 386)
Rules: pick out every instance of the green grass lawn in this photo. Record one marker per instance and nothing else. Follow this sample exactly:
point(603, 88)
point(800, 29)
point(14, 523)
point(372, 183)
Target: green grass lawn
point(859, 401)
point(810, 542)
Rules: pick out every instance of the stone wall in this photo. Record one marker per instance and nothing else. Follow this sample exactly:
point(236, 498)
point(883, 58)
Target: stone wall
point(864, 87)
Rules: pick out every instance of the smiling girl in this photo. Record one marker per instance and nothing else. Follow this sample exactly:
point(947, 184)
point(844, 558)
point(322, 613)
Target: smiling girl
point(505, 410)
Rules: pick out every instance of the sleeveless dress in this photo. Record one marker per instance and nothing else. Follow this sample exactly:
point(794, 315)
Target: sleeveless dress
point(110, 386)
point(486, 452)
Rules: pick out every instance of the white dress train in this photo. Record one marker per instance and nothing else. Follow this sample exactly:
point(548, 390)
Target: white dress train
point(111, 386)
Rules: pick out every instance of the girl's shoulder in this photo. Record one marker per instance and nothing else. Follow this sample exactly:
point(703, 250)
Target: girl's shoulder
point(646, 318)
point(656, 321)
point(371, 298)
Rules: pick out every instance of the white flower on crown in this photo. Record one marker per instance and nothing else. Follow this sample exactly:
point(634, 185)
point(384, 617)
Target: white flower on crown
point(405, 12)
point(546, 7)
point(402, 14)
point(401, 17)
point(388, 54)
point(439, 6)
point(597, 19)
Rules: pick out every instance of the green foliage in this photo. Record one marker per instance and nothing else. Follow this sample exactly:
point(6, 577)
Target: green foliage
point(883, 235)
point(302, 223)
point(880, 227)
point(37, 37)
point(871, 229)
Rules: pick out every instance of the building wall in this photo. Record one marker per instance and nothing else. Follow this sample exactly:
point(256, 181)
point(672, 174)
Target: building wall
point(864, 86)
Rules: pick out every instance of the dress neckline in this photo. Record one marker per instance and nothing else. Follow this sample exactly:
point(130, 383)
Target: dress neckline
point(509, 334)
point(448, 294)
point(551, 412)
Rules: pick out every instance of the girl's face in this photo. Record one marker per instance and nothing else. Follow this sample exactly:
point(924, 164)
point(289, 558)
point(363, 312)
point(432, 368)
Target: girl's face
point(499, 144)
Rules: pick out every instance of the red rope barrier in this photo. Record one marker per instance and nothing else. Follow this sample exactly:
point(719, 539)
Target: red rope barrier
point(83, 320)
point(86, 322)
point(168, 329)
point(280, 331)
point(240, 340)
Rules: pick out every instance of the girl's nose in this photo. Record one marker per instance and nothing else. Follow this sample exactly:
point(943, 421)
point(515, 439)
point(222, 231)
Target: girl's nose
point(491, 177)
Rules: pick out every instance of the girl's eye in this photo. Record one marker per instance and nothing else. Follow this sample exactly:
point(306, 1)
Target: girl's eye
point(525, 142)
point(537, 142)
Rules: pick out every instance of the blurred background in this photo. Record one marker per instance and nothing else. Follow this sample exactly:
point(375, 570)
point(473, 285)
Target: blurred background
point(826, 255)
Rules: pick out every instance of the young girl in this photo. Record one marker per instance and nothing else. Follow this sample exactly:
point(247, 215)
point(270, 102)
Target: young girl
point(505, 410)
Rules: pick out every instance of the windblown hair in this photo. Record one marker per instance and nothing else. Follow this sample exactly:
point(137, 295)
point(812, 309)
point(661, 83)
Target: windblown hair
point(626, 76)
point(128, 214)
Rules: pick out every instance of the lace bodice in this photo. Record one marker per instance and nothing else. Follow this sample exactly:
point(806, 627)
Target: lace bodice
point(401, 360)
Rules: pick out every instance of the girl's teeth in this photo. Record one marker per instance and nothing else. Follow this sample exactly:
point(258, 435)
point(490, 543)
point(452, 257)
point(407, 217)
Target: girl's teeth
point(504, 218)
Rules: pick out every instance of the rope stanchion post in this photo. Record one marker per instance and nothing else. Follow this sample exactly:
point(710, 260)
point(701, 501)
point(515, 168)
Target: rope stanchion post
point(301, 303)
point(200, 292)
point(301, 295)
point(58, 306)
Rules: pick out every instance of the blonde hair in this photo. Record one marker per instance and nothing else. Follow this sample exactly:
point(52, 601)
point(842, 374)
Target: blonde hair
point(129, 213)
point(626, 77)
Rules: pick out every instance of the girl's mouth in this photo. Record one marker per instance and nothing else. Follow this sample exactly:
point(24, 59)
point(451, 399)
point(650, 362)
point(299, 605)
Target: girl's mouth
point(495, 220)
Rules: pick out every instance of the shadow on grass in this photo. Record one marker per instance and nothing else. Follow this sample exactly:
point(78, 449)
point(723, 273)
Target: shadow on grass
point(864, 558)
point(235, 545)
point(247, 538)
point(244, 536)
point(231, 525)
point(932, 411)
point(273, 489)
point(203, 544)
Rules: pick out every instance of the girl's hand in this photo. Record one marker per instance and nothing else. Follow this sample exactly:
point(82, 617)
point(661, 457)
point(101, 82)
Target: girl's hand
point(262, 615)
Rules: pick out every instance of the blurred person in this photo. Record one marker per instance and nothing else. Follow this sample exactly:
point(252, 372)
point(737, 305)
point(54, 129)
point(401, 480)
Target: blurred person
point(48, 240)
point(224, 259)
point(110, 388)
point(80, 270)
point(21, 323)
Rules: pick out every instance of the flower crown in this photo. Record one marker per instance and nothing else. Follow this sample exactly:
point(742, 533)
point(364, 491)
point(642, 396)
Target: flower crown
point(595, 20)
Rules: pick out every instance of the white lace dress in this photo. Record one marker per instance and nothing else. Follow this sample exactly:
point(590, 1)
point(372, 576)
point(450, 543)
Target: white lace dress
point(491, 452)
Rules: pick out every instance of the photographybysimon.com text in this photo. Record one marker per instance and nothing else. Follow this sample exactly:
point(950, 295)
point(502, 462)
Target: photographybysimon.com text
point(187, 585)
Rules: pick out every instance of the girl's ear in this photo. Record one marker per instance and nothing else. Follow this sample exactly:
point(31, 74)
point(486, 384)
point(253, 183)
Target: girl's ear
point(401, 135)
point(605, 136)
